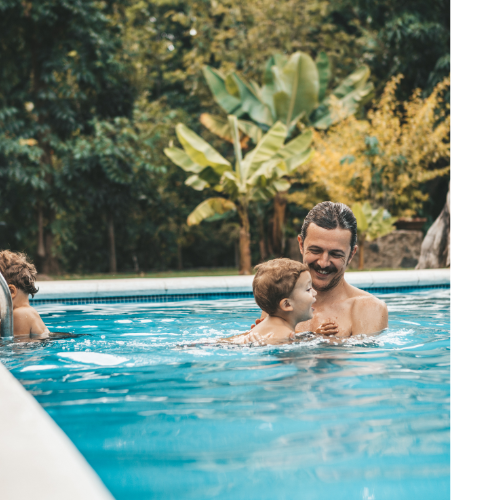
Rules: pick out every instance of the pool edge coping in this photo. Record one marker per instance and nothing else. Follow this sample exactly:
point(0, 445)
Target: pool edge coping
point(218, 285)
point(33, 443)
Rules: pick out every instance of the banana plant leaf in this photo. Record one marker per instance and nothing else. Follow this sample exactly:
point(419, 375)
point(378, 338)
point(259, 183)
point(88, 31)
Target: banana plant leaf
point(251, 102)
point(196, 182)
point(297, 145)
point(324, 72)
point(355, 80)
point(180, 158)
point(199, 150)
point(294, 89)
point(372, 223)
point(297, 84)
point(266, 148)
point(216, 125)
point(216, 82)
point(220, 127)
point(209, 208)
point(339, 109)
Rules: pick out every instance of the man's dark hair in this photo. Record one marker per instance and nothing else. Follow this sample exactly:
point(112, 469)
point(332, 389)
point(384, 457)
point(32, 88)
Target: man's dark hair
point(329, 215)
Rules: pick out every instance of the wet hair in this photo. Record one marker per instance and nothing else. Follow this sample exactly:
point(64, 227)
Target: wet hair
point(18, 271)
point(275, 281)
point(329, 215)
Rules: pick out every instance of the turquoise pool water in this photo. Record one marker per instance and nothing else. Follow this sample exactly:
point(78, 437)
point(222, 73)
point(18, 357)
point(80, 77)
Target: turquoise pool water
point(159, 418)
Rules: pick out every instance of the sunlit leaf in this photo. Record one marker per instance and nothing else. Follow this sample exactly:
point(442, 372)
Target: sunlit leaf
point(209, 208)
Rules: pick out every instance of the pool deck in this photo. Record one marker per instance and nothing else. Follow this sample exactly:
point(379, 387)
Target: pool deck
point(37, 460)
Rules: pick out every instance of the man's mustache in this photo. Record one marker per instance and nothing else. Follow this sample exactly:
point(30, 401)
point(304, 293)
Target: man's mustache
point(329, 269)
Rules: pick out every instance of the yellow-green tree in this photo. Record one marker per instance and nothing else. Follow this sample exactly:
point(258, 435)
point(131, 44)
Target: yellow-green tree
point(385, 159)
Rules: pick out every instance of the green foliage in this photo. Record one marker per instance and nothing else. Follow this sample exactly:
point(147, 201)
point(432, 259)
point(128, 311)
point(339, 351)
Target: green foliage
point(90, 93)
point(372, 224)
point(294, 89)
point(255, 177)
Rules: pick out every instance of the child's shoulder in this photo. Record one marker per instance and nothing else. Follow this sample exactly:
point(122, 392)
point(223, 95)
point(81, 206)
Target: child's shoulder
point(27, 321)
point(25, 312)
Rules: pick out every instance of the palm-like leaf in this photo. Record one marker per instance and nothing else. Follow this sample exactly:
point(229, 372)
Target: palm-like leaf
point(297, 84)
point(324, 73)
point(294, 89)
point(210, 208)
point(216, 82)
point(256, 176)
point(220, 127)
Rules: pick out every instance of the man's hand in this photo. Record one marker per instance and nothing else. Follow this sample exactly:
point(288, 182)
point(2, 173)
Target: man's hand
point(328, 329)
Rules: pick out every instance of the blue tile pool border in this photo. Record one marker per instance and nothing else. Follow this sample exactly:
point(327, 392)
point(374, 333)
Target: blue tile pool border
point(142, 299)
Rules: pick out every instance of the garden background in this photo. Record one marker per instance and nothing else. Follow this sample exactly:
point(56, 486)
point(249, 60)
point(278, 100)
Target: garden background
point(92, 95)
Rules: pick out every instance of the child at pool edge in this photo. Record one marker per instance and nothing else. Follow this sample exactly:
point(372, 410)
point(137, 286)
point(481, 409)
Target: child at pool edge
point(20, 275)
point(283, 289)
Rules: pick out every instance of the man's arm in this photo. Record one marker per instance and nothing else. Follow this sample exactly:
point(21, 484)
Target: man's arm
point(369, 315)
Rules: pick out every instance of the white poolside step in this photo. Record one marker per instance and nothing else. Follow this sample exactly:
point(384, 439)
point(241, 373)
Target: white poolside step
point(37, 460)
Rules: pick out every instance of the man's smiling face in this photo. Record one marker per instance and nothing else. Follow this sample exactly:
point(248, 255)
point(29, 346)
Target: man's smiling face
point(327, 252)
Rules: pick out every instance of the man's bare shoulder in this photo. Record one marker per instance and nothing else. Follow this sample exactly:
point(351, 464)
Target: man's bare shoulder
point(369, 314)
point(354, 292)
point(367, 299)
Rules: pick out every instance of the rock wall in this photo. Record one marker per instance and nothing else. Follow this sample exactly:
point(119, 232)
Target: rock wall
point(399, 249)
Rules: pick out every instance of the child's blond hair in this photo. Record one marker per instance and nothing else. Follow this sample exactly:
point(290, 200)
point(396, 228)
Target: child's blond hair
point(275, 281)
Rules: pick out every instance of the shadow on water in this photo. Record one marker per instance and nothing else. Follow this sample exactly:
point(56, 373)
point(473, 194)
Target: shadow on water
point(52, 336)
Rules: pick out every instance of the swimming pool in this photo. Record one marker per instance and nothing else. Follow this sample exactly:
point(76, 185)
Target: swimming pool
point(159, 418)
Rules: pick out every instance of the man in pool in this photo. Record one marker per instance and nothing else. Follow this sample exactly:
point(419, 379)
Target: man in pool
point(328, 243)
point(20, 275)
point(283, 289)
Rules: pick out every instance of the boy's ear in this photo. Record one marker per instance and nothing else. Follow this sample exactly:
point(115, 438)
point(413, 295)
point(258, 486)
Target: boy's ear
point(285, 305)
point(13, 290)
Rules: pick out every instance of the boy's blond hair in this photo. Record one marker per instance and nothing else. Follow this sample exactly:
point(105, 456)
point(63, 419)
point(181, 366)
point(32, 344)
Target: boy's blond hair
point(275, 281)
point(18, 271)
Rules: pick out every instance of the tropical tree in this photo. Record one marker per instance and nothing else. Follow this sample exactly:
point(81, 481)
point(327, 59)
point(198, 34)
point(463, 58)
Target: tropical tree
point(372, 224)
point(256, 176)
point(294, 90)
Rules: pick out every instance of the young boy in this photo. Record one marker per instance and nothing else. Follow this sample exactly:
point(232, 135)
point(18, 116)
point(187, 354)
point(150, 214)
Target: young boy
point(283, 289)
point(20, 275)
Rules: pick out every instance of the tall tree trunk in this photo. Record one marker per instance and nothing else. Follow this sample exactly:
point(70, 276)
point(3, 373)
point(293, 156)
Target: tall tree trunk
point(279, 223)
point(245, 256)
point(112, 244)
point(180, 264)
point(262, 236)
point(41, 246)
